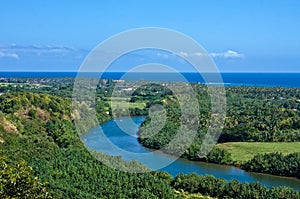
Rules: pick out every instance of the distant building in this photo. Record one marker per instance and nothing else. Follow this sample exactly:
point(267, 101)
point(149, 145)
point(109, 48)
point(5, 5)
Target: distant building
point(119, 81)
point(127, 89)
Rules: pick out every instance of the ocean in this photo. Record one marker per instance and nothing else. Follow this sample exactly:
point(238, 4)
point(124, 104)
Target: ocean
point(286, 80)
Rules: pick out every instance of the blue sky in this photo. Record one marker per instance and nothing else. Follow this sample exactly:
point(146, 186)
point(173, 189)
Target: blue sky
point(241, 36)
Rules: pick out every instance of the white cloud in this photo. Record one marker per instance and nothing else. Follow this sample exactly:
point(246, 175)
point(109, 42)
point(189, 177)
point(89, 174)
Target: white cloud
point(164, 56)
point(37, 49)
point(184, 54)
point(14, 51)
point(10, 55)
point(198, 54)
point(228, 54)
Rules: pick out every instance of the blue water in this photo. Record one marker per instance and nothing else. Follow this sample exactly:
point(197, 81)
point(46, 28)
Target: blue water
point(119, 143)
point(287, 80)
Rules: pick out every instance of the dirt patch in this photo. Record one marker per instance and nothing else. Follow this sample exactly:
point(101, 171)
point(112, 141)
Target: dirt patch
point(38, 112)
point(42, 114)
point(23, 113)
point(9, 127)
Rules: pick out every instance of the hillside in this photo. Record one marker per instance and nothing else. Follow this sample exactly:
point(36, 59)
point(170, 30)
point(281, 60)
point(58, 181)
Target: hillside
point(43, 157)
point(38, 129)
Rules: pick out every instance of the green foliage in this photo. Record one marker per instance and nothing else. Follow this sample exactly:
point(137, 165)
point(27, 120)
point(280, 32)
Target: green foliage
point(74, 173)
point(51, 146)
point(14, 102)
point(219, 156)
point(150, 92)
point(218, 187)
point(48, 141)
point(253, 115)
point(275, 163)
point(61, 131)
point(18, 181)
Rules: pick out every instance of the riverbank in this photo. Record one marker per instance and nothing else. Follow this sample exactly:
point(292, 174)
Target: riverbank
point(240, 153)
point(94, 139)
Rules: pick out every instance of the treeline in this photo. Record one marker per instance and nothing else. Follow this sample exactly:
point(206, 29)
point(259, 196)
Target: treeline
point(13, 102)
point(271, 163)
point(275, 164)
point(220, 188)
point(253, 115)
point(150, 92)
point(262, 115)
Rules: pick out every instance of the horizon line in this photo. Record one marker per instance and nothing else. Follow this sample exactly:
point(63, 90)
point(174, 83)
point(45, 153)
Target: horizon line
point(148, 72)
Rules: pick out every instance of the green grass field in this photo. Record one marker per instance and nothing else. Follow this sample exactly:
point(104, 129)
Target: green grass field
point(244, 151)
point(121, 102)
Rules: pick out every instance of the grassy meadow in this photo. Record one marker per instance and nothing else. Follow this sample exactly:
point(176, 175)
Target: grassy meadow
point(244, 151)
point(122, 103)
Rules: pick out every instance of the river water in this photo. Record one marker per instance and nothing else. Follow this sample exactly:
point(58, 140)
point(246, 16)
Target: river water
point(110, 138)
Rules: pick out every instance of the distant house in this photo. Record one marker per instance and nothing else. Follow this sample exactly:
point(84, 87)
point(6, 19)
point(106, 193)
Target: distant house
point(127, 89)
point(119, 81)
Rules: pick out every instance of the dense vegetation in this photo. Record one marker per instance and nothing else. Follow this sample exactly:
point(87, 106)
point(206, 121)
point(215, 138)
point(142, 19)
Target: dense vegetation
point(220, 188)
point(275, 163)
point(18, 182)
point(253, 115)
point(38, 128)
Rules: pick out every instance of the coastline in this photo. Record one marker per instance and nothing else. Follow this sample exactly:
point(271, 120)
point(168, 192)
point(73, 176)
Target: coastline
point(268, 80)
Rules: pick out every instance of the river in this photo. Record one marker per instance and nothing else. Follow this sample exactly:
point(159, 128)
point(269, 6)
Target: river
point(110, 139)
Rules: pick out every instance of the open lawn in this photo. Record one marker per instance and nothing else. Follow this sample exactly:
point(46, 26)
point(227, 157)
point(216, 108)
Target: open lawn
point(244, 151)
point(121, 102)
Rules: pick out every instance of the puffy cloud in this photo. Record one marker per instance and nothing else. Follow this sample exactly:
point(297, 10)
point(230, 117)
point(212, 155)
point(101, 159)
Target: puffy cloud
point(10, 55)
